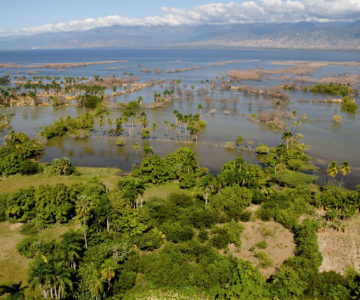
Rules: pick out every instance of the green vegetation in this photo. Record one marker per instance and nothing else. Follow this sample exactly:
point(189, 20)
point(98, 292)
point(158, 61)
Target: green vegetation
point(16, 152)
point(82, 175)
point(262, 149)
point(5, 121)
point(336, 89)
point(4, 80)
point(69, 124)
point(168, 226)
point(349, 105)
point(337, 119)
point(91, 101)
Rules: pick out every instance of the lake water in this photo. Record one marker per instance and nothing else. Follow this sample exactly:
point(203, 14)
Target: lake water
point(325, 140)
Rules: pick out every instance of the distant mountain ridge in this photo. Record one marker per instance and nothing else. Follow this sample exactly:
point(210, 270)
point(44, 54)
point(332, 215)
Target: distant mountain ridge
point(303, 35)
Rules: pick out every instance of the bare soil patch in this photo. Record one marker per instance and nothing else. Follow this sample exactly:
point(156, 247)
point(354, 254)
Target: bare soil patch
point(279, 241)
point(340, 249)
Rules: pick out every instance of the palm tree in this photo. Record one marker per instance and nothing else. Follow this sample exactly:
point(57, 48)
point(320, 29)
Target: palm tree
point(140, 100)
point(62, 279)
point(287, 135)
point(108, 272)
point(345, 169)
point(133, 188)
point(239, 140)
point(70, 247)
point(332, 169)
point(14, 289)
point(200, 107)
point(153, 127)
point(172, 128)
point(277, 104)
point(101, 123)
point(83, 209)
point(96, 285)
point(136, 147)
point(166, 124)
point(207, 184)
point(125, 120)
point(108, 122)
point(53, 278)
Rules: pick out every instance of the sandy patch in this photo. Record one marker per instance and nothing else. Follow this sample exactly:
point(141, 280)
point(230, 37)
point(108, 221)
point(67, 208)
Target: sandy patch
point(279, 240)
point(340, 249)
point(15, 226)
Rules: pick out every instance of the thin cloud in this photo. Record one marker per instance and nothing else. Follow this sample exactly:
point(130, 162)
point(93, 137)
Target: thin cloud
point(262, 11)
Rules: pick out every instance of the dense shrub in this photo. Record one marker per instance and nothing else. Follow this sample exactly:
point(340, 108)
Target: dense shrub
point(29, 247)
point(21, 205)
point(62, 166)
point(177, 232)
point(10, 164)
point(62, 126)
point(344, 203)
point(175, 266)
point(232, 200)
point(91, 101)
point(53, 204)
point(201, 217)
point(145, 133)
point(150, 240)
point(3, 207)
point(262, 149)
point(28, 229)
point(246, 282)
point(29, 167)
point(181, 165)
point(203, 235)
point(59, 128)
point(349, 105)
point(336, 89)
point(284, 207)
point(221, 238)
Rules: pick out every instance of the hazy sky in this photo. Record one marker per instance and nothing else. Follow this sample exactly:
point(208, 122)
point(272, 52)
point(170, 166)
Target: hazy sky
point(35, 16)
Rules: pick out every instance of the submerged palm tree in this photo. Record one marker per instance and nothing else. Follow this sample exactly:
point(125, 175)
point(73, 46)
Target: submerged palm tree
point(101, 123)
point(166, 124)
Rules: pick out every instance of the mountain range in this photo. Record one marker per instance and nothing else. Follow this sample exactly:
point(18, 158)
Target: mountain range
point(302, 35)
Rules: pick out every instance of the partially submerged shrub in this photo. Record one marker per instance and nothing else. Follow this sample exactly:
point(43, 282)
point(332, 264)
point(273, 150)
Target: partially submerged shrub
point(230, 145)
point(349, 105)
point(337, 119)
point(262, 149)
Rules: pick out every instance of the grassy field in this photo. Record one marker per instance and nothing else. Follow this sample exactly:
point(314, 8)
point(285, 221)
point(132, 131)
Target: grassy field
point(107, 175)
point(13, 266)
point(162, 191)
